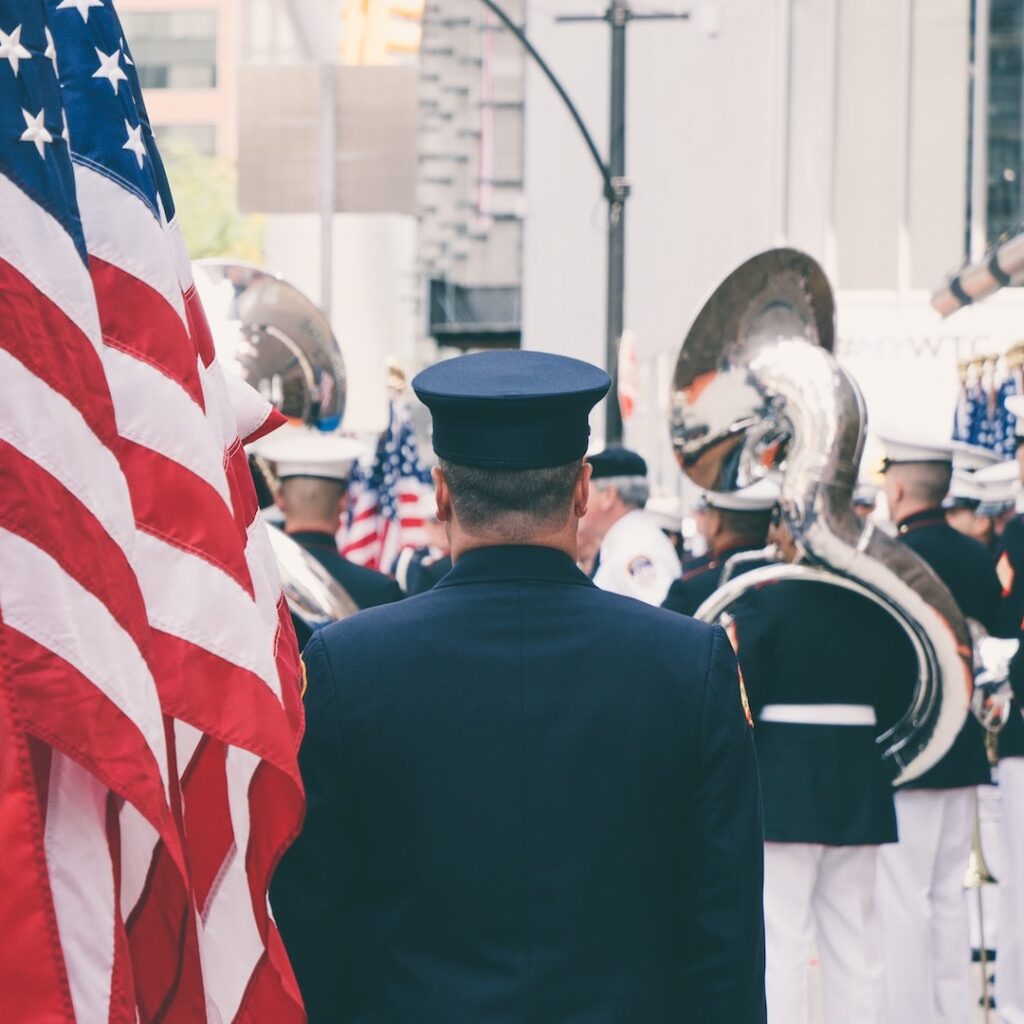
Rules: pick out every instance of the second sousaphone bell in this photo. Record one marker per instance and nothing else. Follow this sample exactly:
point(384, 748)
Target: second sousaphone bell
point(757, 390)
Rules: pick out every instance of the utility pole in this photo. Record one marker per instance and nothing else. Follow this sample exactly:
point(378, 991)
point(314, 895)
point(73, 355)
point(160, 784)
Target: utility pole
point(618, 17)
point(613, 171)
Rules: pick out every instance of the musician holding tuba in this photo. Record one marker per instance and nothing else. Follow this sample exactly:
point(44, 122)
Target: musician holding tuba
point(824, 668)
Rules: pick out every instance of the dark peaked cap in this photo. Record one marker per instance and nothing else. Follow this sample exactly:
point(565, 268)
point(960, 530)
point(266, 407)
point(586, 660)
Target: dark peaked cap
point(616, 462)
point(511, 409)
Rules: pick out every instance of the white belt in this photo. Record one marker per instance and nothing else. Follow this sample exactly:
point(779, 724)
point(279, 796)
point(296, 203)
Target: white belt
point(819, 714)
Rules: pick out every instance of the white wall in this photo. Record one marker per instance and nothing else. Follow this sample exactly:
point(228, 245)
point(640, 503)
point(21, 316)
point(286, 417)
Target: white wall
point(705, 158)
point(373, 302)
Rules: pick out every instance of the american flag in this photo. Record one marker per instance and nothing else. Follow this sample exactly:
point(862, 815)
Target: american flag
point(149, 700)
point(981, 415)
point(386, 499)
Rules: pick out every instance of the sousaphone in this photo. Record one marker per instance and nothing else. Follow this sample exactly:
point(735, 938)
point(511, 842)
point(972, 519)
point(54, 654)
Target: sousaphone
point(273, 337)
point(757, 390)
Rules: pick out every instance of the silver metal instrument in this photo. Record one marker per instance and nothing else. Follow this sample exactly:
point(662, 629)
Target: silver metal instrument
point(269, 334)
point(273, 337)
point(757, 390)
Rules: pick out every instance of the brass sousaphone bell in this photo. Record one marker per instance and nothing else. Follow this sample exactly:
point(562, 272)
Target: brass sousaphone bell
point(757, 390)
point(276, 340)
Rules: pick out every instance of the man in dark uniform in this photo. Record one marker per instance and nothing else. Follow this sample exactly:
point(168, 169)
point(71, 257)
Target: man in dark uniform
point(735, 524)
point(529, 800)
point(313, 469)
point(1009, 541)
point(921, 895)
point(826, 671)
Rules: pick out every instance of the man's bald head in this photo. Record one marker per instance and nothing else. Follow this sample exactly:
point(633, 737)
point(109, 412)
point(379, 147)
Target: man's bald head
point(912, 487)
point(312, 503)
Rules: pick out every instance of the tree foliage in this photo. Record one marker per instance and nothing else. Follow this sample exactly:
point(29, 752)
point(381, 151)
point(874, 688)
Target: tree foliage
point(205, 192)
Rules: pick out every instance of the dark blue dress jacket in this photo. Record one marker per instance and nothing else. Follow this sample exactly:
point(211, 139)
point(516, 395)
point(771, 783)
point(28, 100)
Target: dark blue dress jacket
point(529, 802)
point(965, 566)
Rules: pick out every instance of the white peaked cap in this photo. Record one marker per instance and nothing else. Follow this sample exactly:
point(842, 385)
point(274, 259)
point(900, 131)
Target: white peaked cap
point(1015, 407)
point(760, 497)
point(865, 492)
point(304, 451)
point(900, 447)
point(971, 457)
point(965, 487)
point(998, 485)
point(667, 509)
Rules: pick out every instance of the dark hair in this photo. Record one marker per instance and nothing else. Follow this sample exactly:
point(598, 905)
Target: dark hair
point(749, 526)
point(511, 500)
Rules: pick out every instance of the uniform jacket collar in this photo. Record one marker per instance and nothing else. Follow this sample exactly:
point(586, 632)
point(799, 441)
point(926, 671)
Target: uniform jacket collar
point(929, 517)
point(315, 538)
point(514, 562)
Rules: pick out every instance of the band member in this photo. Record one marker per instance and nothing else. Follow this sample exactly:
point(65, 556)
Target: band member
point(314, 469)
point(635, 558)
point(921, 896)
point(528, 798)
point(820, 692)
point(1010, 953)
point(734, 524)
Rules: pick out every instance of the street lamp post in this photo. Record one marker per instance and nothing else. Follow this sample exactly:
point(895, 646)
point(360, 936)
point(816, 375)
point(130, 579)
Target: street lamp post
point(613, 171)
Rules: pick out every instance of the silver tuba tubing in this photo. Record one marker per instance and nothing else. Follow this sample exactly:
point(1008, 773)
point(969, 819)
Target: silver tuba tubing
point(757, 389)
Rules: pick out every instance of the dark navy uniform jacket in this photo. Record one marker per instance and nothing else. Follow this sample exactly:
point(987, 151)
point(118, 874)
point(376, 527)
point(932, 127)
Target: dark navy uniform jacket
point(366, 587)
point(700, 580)
point(1009, 554)
point(965, 566)
point(807, 643)
point(530, 801)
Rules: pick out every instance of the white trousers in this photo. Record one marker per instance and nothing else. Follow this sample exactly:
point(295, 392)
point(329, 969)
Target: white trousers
point(923, 908)
point(822, 894)
point(1010, 954)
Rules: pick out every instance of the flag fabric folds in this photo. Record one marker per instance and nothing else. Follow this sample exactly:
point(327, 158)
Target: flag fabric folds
point(386, 510)
point(149, 697)
point(981, 415)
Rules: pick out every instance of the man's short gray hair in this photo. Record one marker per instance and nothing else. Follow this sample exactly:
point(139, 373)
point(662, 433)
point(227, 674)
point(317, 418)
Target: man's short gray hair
point(633, 490)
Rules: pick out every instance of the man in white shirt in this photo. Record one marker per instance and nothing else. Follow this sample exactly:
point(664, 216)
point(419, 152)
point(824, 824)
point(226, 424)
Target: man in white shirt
point(635, 558)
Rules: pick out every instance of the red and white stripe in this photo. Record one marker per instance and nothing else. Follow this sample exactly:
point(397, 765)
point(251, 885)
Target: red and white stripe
point(149, 703)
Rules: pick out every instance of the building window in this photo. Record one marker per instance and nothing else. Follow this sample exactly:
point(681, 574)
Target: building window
point(173, 49)
point(200, 138)
point(1005, 116)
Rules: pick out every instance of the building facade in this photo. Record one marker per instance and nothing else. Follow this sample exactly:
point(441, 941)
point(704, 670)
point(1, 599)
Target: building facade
point(186, 52)
point(470, 199)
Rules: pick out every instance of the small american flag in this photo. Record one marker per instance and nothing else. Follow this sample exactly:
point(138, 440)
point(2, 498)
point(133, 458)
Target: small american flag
point(386, 498)
point(981, 415)
point(149, 702)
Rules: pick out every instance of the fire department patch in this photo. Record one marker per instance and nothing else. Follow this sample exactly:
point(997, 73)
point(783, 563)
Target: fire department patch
point(641, 569)
point(1004, 570)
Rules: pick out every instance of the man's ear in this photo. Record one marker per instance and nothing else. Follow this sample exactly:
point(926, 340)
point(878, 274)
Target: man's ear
point(442, 495)
point(714, 524)
point(581, 496)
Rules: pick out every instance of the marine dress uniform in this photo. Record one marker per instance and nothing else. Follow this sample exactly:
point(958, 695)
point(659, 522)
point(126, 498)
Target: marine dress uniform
point(920, 890)
point(826, 670)
point(301, 452)
point(529, 800)
point(702, 577)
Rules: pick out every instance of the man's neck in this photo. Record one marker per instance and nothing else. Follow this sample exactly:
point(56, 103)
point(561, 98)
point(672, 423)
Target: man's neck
point(909, 509)
point(561, 540)
point(309, 526)
point(720, 546)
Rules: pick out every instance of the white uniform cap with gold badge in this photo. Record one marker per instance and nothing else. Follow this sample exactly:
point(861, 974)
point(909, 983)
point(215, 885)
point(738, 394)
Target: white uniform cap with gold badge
point(760, 497)
point(304, 451)
point(914, 448)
